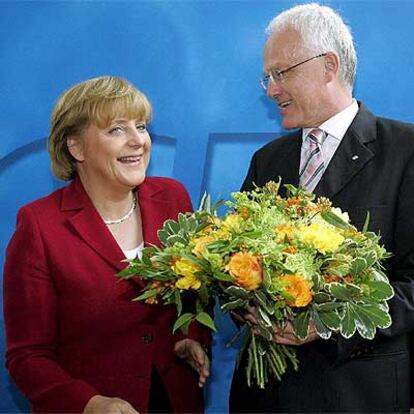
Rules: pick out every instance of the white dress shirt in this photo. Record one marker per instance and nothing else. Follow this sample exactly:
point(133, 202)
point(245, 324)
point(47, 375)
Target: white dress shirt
point(335, 128)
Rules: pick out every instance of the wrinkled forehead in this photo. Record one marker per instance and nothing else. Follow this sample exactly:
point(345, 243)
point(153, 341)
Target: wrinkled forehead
point(282, 49)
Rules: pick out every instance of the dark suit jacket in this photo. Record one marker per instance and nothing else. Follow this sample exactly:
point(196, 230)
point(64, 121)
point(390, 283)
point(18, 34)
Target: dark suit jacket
point(72, 331)
point(372, 170)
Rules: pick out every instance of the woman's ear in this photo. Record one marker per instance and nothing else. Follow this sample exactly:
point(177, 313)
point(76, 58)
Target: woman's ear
point(75, 147)
point(331, 66)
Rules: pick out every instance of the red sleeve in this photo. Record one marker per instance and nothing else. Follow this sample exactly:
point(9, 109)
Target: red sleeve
point(30, 301)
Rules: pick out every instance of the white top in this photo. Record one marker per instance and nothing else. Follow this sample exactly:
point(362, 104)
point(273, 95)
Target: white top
point(335, 128)
point(133, 253)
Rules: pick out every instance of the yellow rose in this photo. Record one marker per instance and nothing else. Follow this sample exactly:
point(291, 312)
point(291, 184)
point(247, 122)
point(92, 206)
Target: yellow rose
point(201, 244)
point(246, 270)
point(324, 239)
point(188, 282)
point(285, 230)
point(232, 223)
point(186, 268)
point(299, 288)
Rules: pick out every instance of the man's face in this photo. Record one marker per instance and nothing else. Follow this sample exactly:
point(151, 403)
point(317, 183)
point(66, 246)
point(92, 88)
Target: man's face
point(301, 95)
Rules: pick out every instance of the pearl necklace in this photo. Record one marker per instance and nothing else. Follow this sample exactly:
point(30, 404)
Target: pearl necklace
point(127, 215)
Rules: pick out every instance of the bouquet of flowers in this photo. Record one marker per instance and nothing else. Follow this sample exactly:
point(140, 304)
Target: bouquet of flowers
point(295, 259)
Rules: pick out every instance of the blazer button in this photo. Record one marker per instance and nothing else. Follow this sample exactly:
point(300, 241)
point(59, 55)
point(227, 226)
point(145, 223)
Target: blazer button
point(147, 338)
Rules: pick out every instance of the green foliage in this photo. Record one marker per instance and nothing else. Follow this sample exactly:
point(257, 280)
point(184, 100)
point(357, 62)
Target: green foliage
point(292, 260)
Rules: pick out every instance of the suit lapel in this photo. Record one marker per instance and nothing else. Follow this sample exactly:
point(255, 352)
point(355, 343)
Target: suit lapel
point(351, 156)
point(90, 226)
point(288, 166)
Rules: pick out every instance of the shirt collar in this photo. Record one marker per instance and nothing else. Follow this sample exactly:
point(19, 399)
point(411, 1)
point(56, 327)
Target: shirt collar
point(337, 125)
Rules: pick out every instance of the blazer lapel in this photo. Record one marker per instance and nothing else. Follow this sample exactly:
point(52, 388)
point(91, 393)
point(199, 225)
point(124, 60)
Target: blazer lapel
point(154, 210)
point(351, 156)
point(90, 226)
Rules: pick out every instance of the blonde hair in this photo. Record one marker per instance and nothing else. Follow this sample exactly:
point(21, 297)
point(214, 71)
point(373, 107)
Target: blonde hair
point(96, 101)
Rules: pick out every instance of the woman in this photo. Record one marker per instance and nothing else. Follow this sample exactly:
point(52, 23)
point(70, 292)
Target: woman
point(75, 341)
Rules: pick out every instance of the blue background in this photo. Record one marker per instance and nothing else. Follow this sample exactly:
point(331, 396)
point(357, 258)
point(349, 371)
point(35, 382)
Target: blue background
point(199, 63)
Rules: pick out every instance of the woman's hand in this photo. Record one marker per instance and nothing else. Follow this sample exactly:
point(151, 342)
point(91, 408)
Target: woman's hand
point(99, 404)
point(195, 355)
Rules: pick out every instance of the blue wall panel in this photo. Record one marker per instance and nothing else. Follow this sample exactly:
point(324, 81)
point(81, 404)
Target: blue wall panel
point(199, 62)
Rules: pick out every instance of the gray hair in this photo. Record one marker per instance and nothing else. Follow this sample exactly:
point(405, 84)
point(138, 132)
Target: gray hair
point(322, 30)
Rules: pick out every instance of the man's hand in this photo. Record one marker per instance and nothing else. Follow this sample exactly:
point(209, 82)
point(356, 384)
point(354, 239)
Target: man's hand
point(99, 404)
point(195, 355)
point(286, 336)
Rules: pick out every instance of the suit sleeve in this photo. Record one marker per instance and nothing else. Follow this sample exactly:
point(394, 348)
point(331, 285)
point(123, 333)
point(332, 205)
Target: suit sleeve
point(251, 176)
point(400, 271)
point(30, 312)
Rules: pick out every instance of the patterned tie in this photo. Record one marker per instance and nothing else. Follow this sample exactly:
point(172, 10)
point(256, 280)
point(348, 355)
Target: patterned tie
point(312, 166)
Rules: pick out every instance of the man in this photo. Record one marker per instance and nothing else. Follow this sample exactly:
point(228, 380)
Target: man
point(362, 163)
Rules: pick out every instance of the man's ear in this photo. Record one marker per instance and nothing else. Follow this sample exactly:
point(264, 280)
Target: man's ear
point(75, 147)
point(331, 66)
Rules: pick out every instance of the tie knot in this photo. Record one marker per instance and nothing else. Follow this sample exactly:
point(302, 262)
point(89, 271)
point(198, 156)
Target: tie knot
point(317, 136)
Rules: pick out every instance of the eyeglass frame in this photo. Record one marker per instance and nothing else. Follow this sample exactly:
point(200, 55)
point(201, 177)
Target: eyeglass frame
point(277, 75)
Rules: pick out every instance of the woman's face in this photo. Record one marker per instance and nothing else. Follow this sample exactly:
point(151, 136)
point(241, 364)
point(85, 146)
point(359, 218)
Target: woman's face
point(115, 156)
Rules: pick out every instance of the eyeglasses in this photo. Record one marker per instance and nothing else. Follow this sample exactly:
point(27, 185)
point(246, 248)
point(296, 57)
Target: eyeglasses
point(279, 75)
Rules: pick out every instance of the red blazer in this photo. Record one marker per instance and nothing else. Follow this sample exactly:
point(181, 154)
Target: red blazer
point(72, 331)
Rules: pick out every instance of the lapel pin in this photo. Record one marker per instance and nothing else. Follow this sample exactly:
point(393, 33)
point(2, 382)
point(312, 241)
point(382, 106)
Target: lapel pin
point(355, 157)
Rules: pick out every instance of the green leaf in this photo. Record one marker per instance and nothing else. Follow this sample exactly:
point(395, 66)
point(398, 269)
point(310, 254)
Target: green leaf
point(225, 277)
point(162, 235)
point(378, 275)
point(238, 292)
point(178, 303)
point(371, 257)
point(228, 306)
point(262, 300)
point(171, 226)
point(353, 289)
point(205, 319)
point(364, 324)
point(323, 331)
point(335, 220)
point(183, 222)
point(217, 245)
point(348, 326)
point(328, 306)
point(263, 317)
point(267, 278)
point(380, 290)
point(175, 238)
point(183, 319)
point(301, 324)
point(321, 297)
point(150, 293)
point(339, 291)
point(330, 319)
point(357, 266)
point(204, 293)
point(366, 223)
point(379, 316)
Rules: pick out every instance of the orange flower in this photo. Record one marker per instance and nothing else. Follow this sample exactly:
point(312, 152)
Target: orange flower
point(299, 288)
point(246, 269)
